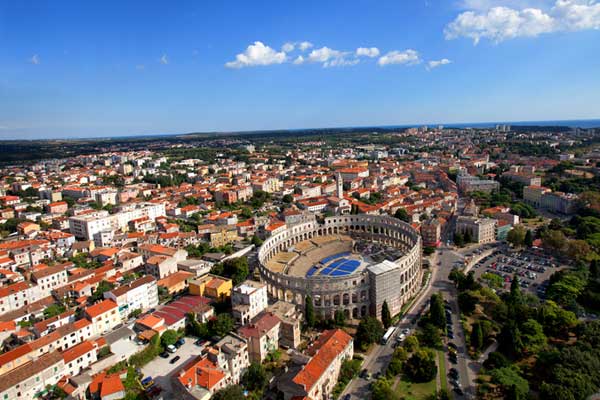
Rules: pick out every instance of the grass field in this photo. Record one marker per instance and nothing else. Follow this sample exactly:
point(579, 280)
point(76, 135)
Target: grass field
point(415, 391)
point(442, 370)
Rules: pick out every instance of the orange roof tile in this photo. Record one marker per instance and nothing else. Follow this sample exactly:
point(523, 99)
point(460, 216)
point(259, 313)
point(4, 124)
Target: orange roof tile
point(329, 345)
point(77, 351)
point(100, 308)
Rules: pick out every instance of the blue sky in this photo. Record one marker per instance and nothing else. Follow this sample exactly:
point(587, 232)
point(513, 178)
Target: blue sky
point(114, 68)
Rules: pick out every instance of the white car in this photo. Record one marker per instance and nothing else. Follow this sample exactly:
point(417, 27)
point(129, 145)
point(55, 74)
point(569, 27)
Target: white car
point(401, 337)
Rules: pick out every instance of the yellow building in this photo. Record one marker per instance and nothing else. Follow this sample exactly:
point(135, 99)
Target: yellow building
point(177, 282)
point(212, 286)
point(220, 236)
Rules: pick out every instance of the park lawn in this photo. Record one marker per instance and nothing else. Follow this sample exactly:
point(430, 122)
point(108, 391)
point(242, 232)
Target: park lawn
point(415, 391)
point(442, 370)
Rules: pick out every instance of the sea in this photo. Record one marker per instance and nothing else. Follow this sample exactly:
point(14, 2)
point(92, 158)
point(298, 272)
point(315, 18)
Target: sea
point(575, 123)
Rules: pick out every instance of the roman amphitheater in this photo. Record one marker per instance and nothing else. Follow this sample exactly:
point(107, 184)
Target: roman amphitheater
point(351, 262)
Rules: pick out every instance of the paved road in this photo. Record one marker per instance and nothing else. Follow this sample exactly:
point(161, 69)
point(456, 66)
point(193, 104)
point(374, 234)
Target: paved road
point(442, 262)
point(380, 355)
point(161, 369)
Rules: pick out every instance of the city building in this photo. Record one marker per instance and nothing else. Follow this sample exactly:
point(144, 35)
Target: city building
point(104, 316)
point(262, 335)
point(317, 378)
point(140, 294)
point(481, 230)
point(248, 299)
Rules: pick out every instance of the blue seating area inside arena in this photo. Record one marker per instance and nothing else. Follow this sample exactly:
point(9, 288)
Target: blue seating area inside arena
point(340, 267)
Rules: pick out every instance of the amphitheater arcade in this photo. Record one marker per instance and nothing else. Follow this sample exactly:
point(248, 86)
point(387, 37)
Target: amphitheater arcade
point(360, 293)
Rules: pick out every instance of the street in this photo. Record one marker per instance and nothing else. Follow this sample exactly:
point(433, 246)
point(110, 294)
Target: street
point(161, 369)
point(379, 357)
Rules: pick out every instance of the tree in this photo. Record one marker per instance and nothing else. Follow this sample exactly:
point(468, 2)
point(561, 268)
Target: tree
point(515, 296)
point(430, 336)
point(457, 276)
point(399, 356)
point(436, 311)
point(288, 198)
point(349, 369)
point(255, 378)
point(496, 360)
point(168, 337)
point(421, 367)
point(103, 286)
point(309, 312)
point(476, 336)
point(257, 241)
point(459, 239)
point(232, 392)
point(386, 317)
point(534, 339)
point(339, 318)
point(528, 238)
point(53, 310)
point(402, 215)
point(381, 389)
point(236, 269)
point(370, 330)
point(508, 378)
point(221, 325)
point(467, 302)
point(556, 320)
point(565, 287)
point(554, 241)
point(428, 250)
point(516, 235)
point(246, 212)
point(411, 343)
point(468, 236)
point(578, 249)
point(195, 328)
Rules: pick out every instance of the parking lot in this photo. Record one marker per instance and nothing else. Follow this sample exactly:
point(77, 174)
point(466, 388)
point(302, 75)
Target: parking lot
point(161, 368)
point(533, 269)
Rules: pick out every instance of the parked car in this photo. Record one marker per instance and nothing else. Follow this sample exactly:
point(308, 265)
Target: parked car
point(365, 374)
point(180, 342)
point(147, 382)
point(164, 354)
point(175, 359)
point(171, 348)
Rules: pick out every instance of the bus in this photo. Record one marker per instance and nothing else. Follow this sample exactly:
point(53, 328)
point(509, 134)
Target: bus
point(388, 334)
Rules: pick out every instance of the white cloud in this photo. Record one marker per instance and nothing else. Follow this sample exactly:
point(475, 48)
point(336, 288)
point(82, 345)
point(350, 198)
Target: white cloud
point(438, 63)
point(35, 59)
point(324, 54)
point(406, 57)
point(288, 47)
point(331, 58)
point(370, 52)
point(305, 45)
point(257, 54)
point(299, 60)
point(164, 60)
point(502, 23)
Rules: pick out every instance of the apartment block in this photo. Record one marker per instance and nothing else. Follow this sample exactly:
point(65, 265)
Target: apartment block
point(248, 299)
point(140, 294)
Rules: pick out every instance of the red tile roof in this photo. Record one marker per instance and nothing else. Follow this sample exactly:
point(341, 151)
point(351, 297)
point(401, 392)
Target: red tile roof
point(329, 345)
point(100, 308)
